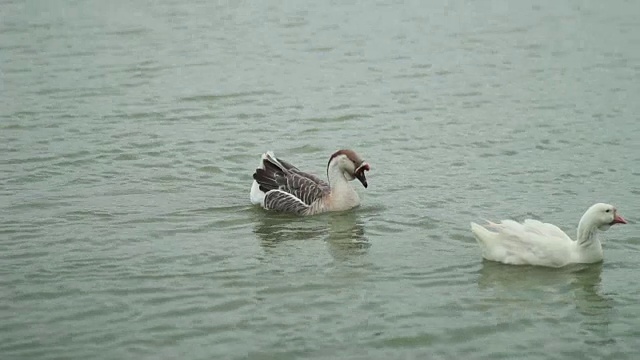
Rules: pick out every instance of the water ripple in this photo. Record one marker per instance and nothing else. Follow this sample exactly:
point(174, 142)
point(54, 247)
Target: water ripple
point(128, 147)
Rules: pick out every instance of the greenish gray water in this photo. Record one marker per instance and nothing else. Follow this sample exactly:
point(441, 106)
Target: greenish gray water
point(129, 133)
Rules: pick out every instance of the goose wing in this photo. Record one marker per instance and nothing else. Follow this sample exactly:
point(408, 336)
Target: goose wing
point(297, 171)
point(546, 229)
point(282, 201)
point(282, 178)
point(528, 243)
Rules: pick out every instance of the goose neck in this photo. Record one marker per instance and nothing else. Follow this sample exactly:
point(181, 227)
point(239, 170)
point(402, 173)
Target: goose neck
point(336, 176)
point(587, 232)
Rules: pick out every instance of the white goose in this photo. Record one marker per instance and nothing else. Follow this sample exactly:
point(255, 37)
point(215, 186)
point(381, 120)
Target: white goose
point(537, 243)
point(280, 186)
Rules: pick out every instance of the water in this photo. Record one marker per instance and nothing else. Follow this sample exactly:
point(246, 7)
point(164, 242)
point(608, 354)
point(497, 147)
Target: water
point(129, 133)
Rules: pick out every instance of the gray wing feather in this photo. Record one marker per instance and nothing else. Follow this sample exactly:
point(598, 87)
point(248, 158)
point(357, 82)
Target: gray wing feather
point(280, 176)
point(297, 171)
point(279, 200)
point(304, 188)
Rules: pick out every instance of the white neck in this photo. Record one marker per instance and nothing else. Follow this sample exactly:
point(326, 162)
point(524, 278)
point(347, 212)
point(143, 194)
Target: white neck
point(342, 193)
point(587, 234)
point(337, 177)
point(588, 238)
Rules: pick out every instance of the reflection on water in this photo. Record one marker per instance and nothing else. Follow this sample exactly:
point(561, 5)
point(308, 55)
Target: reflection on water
point(273, 228)
point(344, 231)
point(509, 277)
point(527, 287)
point(346, 235)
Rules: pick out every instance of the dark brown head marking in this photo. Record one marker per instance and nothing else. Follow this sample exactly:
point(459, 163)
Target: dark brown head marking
point(360, 165)
point(350, 154)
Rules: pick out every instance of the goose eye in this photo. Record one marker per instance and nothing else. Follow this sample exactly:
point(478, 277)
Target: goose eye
point(608, 210)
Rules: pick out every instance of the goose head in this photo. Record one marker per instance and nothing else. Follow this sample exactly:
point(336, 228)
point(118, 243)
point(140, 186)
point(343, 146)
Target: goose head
point(603, 216)
point(350, 164)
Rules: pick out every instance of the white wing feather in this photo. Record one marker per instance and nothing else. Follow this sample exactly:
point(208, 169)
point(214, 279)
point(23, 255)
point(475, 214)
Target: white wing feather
point(531, 242)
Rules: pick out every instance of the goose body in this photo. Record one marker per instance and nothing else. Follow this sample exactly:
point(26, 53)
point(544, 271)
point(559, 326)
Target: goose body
point(536, 243)
point(281, 187)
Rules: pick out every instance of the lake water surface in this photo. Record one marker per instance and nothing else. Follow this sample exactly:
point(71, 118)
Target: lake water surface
point(129, 132)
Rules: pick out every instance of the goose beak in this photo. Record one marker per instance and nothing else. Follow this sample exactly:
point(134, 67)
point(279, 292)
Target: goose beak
point(359, 173)
point(618, 220)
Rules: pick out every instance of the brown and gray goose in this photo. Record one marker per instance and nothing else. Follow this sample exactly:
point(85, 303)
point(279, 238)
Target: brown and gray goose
point(282, 187)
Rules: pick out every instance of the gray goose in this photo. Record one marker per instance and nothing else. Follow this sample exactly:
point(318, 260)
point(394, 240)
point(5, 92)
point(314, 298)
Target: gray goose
point(281, 187)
